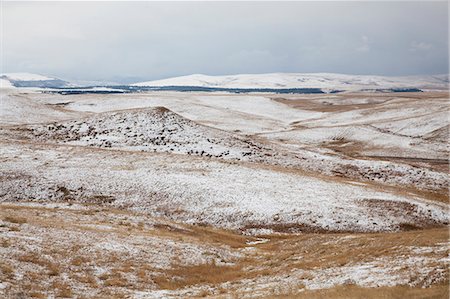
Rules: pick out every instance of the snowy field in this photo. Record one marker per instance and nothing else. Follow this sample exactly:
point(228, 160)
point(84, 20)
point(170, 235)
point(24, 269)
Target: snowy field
point(277, 195)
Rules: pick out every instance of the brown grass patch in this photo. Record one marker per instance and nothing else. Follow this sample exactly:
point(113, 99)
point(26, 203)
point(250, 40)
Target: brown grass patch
point(7, 270)
point(203, 234)
point(355, 292)
point(79, 261)
point(53, 269)
point(5, 243)
point(309, 251)
point(116, 281)
point(15, 219)
point(209, 273)
point(62, 289)
point(87, 278)
point(36, 294)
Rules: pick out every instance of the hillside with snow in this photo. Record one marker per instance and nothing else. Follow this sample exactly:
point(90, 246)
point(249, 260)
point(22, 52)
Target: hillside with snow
point(249, 190)
point(326, 81)
point(11, 80)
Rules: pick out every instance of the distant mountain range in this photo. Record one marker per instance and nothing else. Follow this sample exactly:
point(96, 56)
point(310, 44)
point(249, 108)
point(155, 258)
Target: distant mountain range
point(325, 82)
point(11, 80)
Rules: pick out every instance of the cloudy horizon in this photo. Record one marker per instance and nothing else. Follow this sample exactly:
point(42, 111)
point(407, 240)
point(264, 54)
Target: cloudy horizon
point(128, 42)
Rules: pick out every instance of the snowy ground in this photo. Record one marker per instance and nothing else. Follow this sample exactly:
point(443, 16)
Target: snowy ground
point(218, 193)
point(292, 170)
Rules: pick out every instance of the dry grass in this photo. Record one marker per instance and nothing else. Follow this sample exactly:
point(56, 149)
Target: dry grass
point(331, 250)
point(180, 277)
point(62, 289)
point(79, 260)
point(6, 270)
point(281, 254)
point(15, 219)
point(86, 278)
point(36, 294)
point(53, 269)
point(354, 292)
point(5, 243)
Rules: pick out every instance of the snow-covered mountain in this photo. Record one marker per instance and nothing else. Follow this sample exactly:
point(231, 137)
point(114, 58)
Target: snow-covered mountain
point(11, 80)
point(324, 81)
point(298, 80)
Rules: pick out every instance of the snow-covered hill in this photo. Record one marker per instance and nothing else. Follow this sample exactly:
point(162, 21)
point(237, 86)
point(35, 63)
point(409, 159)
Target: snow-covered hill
point(11, 80)
point(4, 83)
point(160, 130)
point(298, 80)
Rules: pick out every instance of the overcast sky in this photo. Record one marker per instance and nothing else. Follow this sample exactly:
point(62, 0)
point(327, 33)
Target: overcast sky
point(123, 41)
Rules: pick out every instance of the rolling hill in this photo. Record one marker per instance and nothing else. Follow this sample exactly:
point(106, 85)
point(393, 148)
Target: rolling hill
point(9, 80)
point(325, 81)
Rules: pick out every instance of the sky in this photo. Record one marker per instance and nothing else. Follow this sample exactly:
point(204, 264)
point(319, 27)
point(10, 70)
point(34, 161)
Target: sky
point(127, 42)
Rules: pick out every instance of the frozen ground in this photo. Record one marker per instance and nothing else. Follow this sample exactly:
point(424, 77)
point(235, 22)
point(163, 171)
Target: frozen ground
point(314, 177)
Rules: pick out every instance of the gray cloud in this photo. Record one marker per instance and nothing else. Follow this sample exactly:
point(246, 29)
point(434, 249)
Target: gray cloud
point(128, 41)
